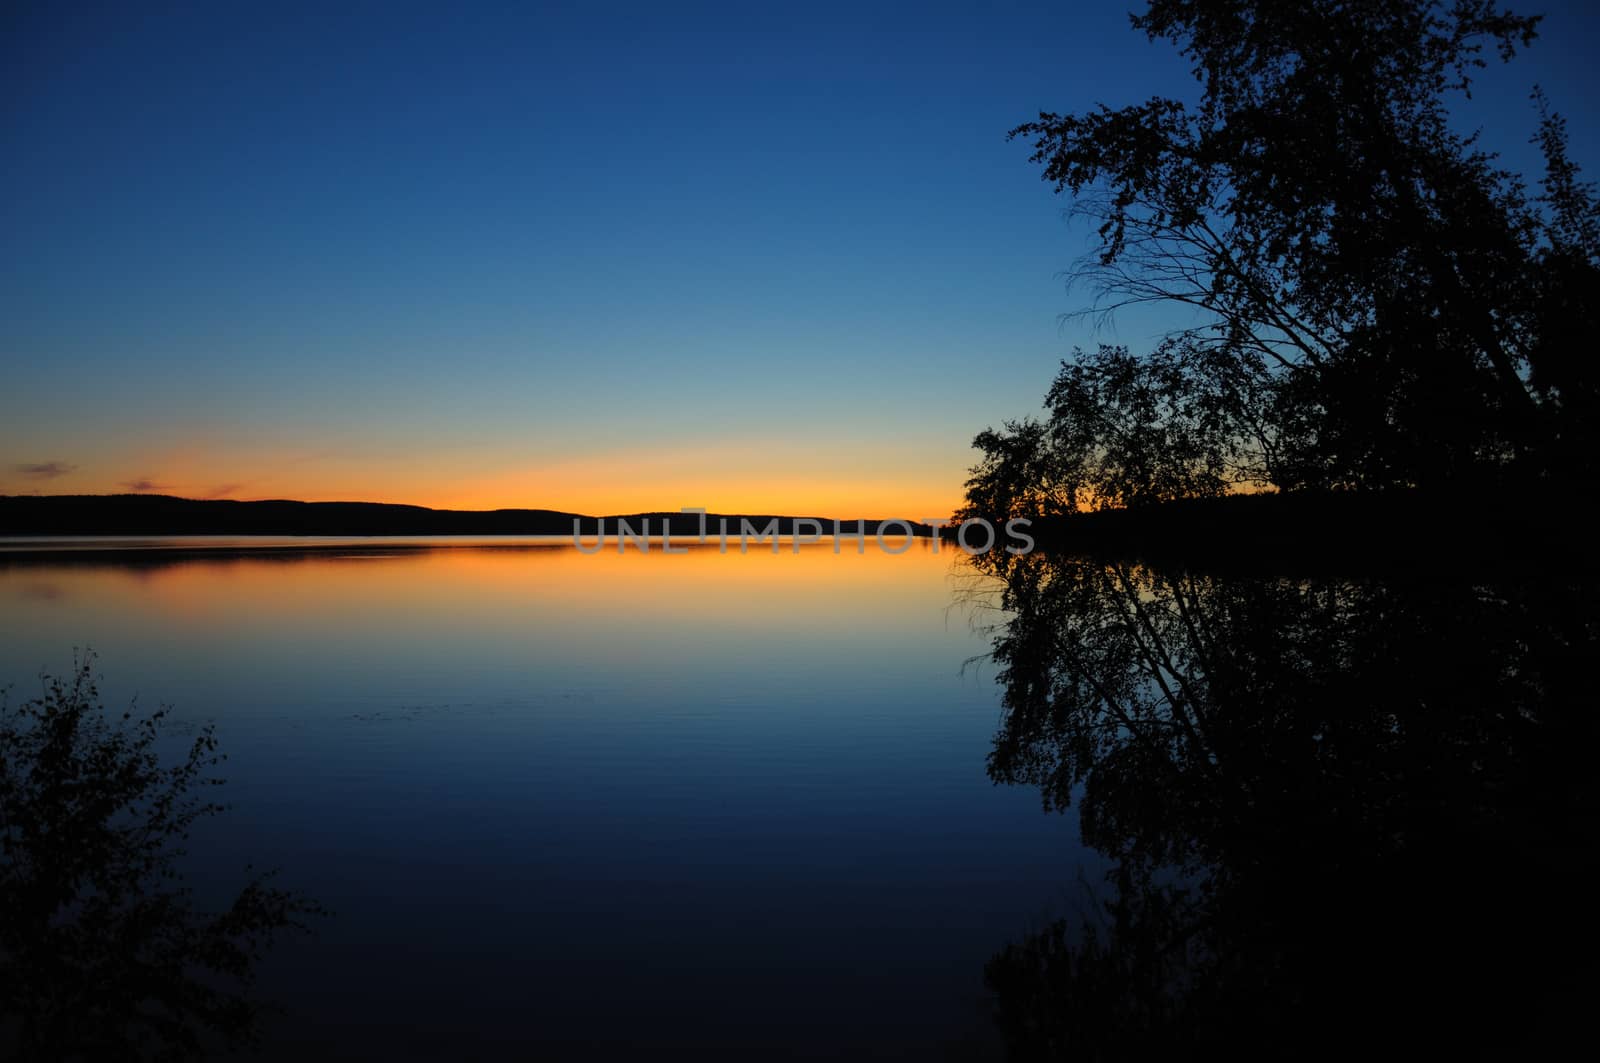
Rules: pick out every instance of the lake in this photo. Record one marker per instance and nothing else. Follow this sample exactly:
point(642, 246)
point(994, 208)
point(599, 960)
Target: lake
point(758, 805)
point(707, 801)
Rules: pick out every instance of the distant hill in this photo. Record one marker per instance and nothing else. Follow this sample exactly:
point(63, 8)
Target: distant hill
point(51, 515)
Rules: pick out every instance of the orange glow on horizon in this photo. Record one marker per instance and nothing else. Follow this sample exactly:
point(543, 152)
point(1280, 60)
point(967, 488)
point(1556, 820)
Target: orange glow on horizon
point(841, 481)
point(841, 501)
point(830, 480)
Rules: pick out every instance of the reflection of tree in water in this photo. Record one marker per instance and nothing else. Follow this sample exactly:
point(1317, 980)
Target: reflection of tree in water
point(1334, 806)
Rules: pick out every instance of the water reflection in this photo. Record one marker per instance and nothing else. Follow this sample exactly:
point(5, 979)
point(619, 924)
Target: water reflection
point(700, 805)
point(1338, 809)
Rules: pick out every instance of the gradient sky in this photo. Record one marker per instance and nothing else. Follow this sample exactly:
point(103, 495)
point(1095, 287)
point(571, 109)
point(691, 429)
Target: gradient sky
point(600, 258)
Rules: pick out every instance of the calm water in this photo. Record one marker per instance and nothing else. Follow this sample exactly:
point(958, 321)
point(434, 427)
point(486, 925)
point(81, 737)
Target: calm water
point(719, 800)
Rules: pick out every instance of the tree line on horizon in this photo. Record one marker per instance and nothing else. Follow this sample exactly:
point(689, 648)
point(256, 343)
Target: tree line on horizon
point(1381, 304)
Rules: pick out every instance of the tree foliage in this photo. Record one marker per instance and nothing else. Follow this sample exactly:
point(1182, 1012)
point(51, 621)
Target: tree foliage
point(1381, 303)
point(104, 953)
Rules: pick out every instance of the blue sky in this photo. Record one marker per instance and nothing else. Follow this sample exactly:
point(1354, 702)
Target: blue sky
point(596, 257)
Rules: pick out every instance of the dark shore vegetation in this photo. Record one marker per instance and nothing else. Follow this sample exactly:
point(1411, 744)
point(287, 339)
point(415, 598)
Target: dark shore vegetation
point(1309, 637)
point(105, 952)
point(1381, 307)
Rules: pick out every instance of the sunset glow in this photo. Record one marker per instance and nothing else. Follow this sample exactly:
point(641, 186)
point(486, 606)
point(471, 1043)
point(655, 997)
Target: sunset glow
point(836, 479)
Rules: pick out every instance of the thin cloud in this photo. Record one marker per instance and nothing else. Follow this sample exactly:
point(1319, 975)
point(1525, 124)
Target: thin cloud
point(222, 491)
point(143, 483)
point(46, 470)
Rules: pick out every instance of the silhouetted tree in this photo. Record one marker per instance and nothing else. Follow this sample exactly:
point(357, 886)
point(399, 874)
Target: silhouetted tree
point(104, 955)
point(1124, 431)
point(1381, 303)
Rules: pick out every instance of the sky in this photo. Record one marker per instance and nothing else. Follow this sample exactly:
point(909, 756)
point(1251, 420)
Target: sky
point(600, 258)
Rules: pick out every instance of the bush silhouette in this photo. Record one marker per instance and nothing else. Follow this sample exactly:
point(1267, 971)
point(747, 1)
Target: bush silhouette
point(104, 953)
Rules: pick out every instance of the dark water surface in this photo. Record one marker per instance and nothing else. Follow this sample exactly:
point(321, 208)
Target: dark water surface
point(746, 806)
point(716, 800)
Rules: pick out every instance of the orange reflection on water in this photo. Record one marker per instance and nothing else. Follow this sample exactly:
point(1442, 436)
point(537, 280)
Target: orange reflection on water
point(369, 584)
